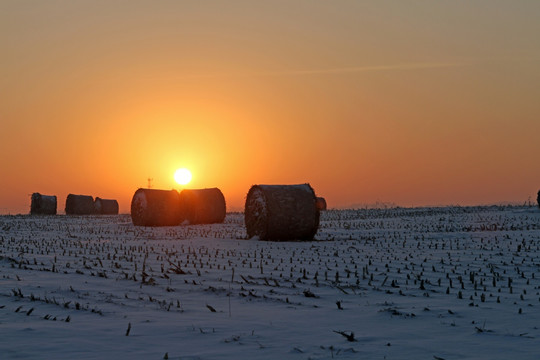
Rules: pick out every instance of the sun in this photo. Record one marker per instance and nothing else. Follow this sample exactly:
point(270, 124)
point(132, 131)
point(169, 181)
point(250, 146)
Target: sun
point(182, 176)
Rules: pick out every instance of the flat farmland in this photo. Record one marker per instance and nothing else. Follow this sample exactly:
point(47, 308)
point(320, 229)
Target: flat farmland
point(399, 283)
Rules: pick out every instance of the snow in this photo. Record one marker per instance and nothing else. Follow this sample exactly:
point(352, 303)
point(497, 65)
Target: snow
point(72, 286)
point(139, 199)
point(258, 202)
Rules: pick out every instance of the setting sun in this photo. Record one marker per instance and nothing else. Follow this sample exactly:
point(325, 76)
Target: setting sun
point(251, 93)
point(182, 176)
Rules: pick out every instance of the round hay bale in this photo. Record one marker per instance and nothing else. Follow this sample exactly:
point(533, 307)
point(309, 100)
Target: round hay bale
point(79, 205)
point(321, 203)
point(152, 207)
point(281, 212)
point(43, 204)
point(202, 206)
point(106, 206)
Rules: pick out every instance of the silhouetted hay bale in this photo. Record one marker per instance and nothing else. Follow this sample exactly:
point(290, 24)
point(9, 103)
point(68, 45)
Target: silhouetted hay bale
point(151, 207)
point(281, 212)
point(105, 206)
point(202, 206)
point(43, 204)
point(79, 205)
point(321, 203)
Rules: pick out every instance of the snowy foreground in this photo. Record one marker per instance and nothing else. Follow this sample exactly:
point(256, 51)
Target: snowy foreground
point(426, 283)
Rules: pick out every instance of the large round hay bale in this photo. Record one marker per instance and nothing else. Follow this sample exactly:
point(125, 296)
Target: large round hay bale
point(152, 207)
point(321, 203)
point(79, 205)
point(105, 206)
point(202, 206)
point(43, 204)
point(281, 212)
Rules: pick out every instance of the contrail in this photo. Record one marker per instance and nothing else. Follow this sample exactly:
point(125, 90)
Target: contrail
point(344, 70)
point(412, 66)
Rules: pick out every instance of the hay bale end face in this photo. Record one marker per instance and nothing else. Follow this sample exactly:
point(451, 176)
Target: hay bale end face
point(321, 203)
point(43, 204)
point(79, 205)
point(152, 207)
point(281, 212)
point(105, 206)
point(202, 206)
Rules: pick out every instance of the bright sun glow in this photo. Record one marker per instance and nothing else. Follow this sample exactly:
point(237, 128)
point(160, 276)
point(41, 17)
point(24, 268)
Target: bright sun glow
point(182, 176)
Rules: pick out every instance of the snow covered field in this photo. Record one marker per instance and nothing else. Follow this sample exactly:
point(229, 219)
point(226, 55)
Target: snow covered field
point(425, 283)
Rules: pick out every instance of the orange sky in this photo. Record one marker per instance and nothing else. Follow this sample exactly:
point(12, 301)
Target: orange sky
point(412, 103)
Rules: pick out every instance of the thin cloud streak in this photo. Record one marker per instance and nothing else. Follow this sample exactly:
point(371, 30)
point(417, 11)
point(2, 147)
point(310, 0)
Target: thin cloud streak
point(414, 66)
point(346, 70)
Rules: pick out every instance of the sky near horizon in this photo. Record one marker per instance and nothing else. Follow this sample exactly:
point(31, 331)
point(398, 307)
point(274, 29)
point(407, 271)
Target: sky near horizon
point(412, 103)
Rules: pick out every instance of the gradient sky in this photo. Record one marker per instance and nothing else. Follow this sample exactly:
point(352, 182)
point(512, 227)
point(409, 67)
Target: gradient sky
point(406, 102)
